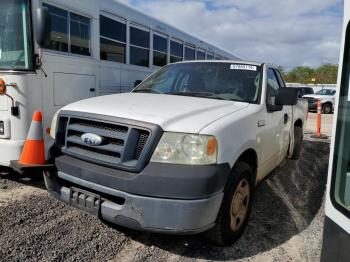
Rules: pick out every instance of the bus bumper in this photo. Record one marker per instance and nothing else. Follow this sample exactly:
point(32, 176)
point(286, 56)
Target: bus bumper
point(9, 150)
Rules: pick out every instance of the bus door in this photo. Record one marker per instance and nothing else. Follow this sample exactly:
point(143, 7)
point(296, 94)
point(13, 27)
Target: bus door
point(336, 234)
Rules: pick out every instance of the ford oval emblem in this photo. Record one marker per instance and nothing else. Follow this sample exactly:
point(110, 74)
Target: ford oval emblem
point(92, 139)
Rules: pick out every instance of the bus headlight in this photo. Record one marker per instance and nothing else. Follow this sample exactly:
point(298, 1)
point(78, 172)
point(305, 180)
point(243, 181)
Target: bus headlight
point(54, 125)
point(178, 148)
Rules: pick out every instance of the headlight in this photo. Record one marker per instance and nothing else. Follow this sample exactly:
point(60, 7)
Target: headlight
point(177, 148)
point(54, 125)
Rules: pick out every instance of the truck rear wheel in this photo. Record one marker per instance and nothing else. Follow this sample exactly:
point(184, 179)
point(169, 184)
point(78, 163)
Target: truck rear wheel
point(235, 207)
point(298, 141)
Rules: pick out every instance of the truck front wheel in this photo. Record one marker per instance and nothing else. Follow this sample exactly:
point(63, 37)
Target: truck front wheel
point(235, 207)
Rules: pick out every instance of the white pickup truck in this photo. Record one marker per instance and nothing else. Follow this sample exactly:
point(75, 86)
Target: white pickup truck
point(182, 152)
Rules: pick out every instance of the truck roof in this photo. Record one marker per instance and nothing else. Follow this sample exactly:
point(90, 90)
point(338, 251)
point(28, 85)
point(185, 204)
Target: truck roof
point(222, 61)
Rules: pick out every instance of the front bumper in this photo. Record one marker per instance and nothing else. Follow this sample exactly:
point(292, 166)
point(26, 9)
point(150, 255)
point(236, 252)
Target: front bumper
point(163, 215)
point(312, 106)
point(9, 150)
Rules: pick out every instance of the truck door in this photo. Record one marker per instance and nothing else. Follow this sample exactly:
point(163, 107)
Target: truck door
point(287, 119)
point(276, 131)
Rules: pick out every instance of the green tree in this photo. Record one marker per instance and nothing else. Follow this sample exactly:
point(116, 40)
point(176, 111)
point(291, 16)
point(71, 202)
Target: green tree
point(327, 74)
point(324, 74)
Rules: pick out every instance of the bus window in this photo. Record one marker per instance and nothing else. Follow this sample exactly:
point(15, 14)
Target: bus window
point(190, 53)
point(139, 46)
point(63, 22)
point(160, 50)
point(210, 56)
point(112, 40)
point(79, 34)
point(176, 51)
point(340, 186)
point(200, 55)
point(59, 29)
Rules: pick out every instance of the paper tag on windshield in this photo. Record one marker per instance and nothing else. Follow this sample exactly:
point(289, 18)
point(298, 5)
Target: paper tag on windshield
point(243, 67)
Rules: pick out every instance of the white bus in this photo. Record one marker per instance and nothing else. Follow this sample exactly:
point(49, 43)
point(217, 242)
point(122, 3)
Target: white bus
point(92, 48)
point(336, 234)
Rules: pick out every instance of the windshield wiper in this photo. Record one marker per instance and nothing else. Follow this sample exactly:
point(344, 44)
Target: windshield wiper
point(147, 91)
point(199, 94)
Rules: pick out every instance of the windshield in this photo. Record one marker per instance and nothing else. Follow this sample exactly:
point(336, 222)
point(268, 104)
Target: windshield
point(15, 35)
point(215, 80)
point(326, 92)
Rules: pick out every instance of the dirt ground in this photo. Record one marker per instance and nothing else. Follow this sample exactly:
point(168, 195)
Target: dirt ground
point(285, 224)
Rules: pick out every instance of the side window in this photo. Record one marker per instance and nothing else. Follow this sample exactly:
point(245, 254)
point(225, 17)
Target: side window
point(79, 34)
point(70, 32)
point(200, 54)
point(190, 53)
point(58, 39)
point(210, 56)
point(280, 79)
point(176, 51)
point(112, 40)
point(160, 50)
point(272, 87)
point(139, 46)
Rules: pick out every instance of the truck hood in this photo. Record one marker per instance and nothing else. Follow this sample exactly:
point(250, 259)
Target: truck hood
point(171, 112)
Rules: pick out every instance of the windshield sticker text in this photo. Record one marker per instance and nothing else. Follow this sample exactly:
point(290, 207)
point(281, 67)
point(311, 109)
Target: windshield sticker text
point(243, 67)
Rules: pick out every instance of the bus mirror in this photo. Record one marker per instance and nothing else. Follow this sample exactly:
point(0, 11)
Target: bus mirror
point(42, 25)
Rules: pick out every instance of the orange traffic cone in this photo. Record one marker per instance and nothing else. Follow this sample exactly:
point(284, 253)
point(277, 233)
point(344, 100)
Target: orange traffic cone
point(34, 150)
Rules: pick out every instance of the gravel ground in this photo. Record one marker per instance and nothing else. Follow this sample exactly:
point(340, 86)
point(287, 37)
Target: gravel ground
point(285, 224)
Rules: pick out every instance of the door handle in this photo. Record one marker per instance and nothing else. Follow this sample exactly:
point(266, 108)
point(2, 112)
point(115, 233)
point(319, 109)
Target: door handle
point(286, 118)
point(92, 89)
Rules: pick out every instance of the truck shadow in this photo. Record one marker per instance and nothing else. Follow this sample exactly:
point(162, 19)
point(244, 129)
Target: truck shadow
point(285, 204)
point(8, 177)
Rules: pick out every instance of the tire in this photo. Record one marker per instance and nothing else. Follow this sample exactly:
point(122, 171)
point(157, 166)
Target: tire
point(298, 142)
point(327, 108)
point(232, 219)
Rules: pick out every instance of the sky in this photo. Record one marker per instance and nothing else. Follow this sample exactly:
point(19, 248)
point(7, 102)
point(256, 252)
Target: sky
point(285, 32)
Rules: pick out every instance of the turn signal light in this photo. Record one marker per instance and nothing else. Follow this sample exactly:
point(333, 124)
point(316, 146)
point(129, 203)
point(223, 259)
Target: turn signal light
point(2, 87)
point(212, 146)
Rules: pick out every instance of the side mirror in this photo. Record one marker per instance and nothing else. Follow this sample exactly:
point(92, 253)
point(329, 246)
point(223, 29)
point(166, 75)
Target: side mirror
point(287, 97)
point(42, 25)
point(137, 82)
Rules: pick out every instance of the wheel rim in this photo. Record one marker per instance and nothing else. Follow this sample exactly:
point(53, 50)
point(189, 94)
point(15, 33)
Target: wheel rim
point(239, 205)
point(327, 109)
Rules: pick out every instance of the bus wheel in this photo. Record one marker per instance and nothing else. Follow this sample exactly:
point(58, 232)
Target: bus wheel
point(235, 207)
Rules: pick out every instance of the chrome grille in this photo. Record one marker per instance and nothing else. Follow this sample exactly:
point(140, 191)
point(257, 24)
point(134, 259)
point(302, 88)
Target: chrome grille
point(123, 145)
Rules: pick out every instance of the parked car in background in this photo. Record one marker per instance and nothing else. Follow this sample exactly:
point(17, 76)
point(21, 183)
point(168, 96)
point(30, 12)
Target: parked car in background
point(304, 91)
point(327, 97)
